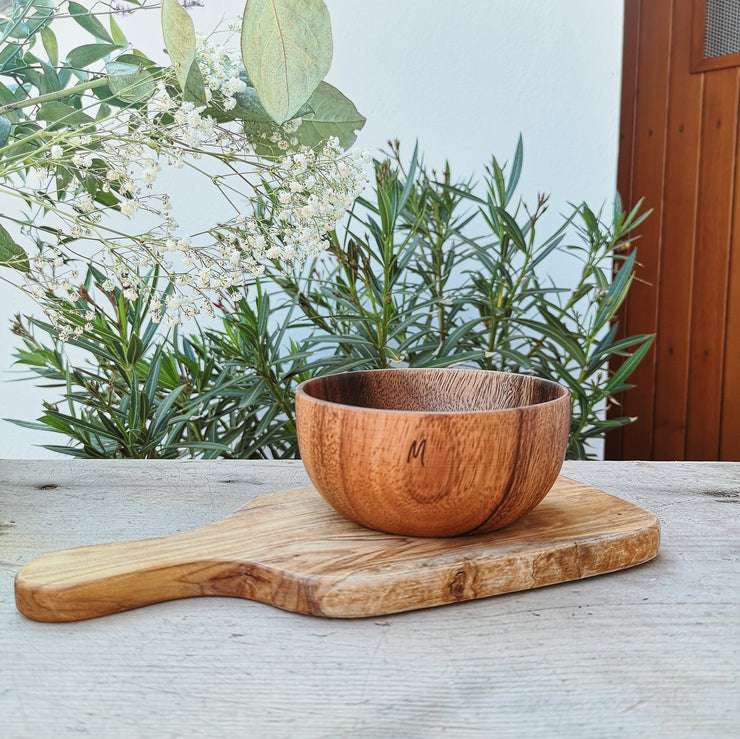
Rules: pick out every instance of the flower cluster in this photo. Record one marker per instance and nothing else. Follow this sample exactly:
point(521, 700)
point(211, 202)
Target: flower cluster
point(283, 198)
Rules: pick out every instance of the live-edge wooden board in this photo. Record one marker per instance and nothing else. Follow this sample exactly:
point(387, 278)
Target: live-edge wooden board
point(291, 550)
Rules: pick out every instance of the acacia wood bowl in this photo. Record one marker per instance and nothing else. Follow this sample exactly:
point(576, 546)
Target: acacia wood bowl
point(432, 452)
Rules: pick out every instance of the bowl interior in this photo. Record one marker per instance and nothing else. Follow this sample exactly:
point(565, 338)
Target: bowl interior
point(433, 390)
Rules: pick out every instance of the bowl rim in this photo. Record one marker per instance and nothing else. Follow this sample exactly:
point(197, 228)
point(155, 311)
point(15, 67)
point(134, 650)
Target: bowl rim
point(301, 391)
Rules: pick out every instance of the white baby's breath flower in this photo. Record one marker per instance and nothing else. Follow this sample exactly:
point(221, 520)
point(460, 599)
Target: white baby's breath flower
point(83, 161)
point(308, 192)
point(129, 207)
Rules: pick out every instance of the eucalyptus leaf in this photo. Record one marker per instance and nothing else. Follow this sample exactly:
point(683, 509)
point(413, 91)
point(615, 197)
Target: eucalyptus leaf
point(130, 82)
point(286, 49)
point(138, 59)
point(331, 114)
point(5, 127)
point(19, 30)
point(82, 56)
point(9, 57)
point(6, 96)
point(89, 22)
point(43, 15)
point(179, 39)
point(51, 47)
point(258, 133)
point(249, 107)
point(194, 89)
point(62, 115)
point(115, 31)
point(12, 255)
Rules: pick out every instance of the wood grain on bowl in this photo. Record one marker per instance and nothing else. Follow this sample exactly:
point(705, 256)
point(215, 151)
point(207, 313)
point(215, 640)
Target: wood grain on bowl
point(432, 452)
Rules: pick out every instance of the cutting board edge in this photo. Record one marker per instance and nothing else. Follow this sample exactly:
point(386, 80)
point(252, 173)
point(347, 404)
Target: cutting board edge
point(347, 602)
point(348, 596)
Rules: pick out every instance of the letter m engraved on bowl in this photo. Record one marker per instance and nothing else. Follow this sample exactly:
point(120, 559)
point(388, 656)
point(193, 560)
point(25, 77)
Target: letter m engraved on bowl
point(416, 451)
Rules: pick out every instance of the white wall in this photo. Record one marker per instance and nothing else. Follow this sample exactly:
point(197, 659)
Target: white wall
point(463, 78)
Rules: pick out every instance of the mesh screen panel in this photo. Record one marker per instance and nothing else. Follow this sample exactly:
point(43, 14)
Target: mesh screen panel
point(722, 30)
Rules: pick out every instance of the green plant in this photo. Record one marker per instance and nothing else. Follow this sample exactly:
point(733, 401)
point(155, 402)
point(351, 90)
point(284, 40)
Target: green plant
point(409, 283)
point(130, 399)
point(429, 272)
point(84, 134)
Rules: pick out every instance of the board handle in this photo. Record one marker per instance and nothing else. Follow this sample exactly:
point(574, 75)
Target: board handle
point(91, 581)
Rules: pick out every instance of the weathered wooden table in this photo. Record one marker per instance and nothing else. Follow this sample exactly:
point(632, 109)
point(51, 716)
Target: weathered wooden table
point(649, 651)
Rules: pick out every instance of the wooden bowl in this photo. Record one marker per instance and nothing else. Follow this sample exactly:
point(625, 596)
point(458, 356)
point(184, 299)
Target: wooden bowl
point(432, 452)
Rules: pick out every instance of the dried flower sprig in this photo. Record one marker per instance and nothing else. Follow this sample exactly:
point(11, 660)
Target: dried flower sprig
point(93, 189)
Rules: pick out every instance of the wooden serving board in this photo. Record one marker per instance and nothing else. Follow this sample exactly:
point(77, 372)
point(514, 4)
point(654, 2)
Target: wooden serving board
point(291, 550)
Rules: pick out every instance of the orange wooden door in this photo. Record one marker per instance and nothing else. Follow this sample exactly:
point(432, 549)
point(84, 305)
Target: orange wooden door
point(680, 151)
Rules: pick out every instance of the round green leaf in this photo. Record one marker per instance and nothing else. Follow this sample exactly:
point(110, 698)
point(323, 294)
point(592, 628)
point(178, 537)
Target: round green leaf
point(259, 133)
point(249, 106)
point(286, 50)
point(331, 114)
point(130, 82)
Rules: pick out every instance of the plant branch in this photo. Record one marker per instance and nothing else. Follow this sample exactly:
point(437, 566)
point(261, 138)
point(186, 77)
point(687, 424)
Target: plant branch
point(52, 96)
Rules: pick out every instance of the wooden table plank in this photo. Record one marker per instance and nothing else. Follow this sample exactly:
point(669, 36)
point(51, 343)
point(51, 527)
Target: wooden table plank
point(648, 651)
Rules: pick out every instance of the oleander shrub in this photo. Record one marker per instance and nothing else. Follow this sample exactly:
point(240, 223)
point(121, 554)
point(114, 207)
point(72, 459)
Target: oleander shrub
point(429, 271)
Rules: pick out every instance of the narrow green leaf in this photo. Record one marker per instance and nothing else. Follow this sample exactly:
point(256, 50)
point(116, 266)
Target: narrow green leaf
point(616, 293)
point(5, 127)
point(49, 40)
point(89, 22)
point(548, 247)
point(512, 228)
point(67, 423)
point(410, 175)
point(69, 450)
point(116, 33)
point(61, 115)
point(135, 350)
point(516, 170)
point(286, 49)
point(33, 425)
point(164, 409)
point(560, 335)
point(627, 367)
point(82, 56)
point(115, 431)
point(152, 381)
point(632, 219)
point(12, 255)
point(135, 403)
point(449, 360)
point(522, 361)
point(212, 445)
point(451, 342)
